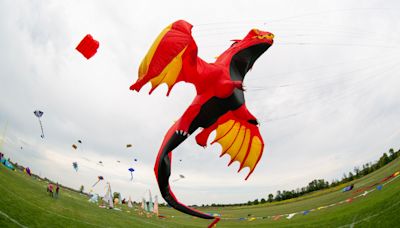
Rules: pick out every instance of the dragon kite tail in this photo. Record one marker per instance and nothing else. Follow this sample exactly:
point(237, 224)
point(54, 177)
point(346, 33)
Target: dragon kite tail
point(162, 170)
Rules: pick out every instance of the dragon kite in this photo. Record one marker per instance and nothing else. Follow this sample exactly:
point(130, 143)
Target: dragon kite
point(219, 104)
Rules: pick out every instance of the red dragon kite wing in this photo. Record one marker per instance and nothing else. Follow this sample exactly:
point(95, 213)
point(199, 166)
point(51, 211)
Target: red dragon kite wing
point(241, 140)
point(172, 58)
point(239, 136)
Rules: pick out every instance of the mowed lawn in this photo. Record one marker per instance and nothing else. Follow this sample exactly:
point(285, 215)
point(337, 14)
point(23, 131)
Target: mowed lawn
point(24, 202)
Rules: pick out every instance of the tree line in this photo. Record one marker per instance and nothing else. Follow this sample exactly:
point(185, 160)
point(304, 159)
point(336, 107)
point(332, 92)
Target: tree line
point(320, 184)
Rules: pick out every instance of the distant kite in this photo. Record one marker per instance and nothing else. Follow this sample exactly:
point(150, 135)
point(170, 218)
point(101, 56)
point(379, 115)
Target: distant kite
point(128, 145)
point(88, 46)
point(180, 177)
point(131, 170)
point(75, 165)
point(74, 146)
point(100, 163)
point(135, 160)
point(39, 114)
point(99, 179)
point(79, 141)
point(28, 171)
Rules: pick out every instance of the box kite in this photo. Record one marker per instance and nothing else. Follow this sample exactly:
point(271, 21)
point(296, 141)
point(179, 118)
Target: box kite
point(88, 46)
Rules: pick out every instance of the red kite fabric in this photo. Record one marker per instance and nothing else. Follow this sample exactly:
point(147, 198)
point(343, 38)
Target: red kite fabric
point(219, 104)
point(88, 46)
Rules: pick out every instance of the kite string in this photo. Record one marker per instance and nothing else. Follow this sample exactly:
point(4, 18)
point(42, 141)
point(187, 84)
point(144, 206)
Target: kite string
point(224, 23)
point(346, 93)
point(324, 77)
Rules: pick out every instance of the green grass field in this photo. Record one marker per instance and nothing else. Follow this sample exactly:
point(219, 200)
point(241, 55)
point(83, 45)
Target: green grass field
point(24, 202)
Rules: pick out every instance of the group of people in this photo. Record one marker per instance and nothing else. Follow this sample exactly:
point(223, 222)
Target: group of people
point(53, 192)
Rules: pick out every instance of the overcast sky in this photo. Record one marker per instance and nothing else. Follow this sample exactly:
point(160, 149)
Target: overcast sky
point(326, 93)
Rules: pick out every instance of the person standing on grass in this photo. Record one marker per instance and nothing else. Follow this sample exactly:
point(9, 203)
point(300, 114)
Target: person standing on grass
point(50, 189)
point(57, 190)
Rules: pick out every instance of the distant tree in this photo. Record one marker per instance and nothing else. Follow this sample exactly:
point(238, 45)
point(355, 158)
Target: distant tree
point(270, 198)
point(278, 196)
point(263, 200)
point(392, 154)
point(366, 169)
point(357, 171)
point(249, 203)
point(344, 178)
point(383, 160)
point(334, 183)
point(284, 195)
point(351, 176)
point(255, 202)
point(81, 189)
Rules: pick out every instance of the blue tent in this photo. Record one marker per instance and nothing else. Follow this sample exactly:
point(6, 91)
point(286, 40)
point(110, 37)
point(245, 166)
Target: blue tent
point(7, 164)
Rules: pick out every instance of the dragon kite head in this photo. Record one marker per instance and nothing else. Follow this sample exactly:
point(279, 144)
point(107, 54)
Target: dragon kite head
point(243, 53)
point(254, 37)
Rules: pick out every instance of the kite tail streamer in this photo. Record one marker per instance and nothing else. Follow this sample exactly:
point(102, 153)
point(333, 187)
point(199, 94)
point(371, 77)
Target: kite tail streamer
point(41, 127)
point(95, 183)
point(214, 223)
point(162, 170)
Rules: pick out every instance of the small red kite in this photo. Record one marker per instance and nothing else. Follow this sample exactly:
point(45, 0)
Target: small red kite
point(88, 46)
